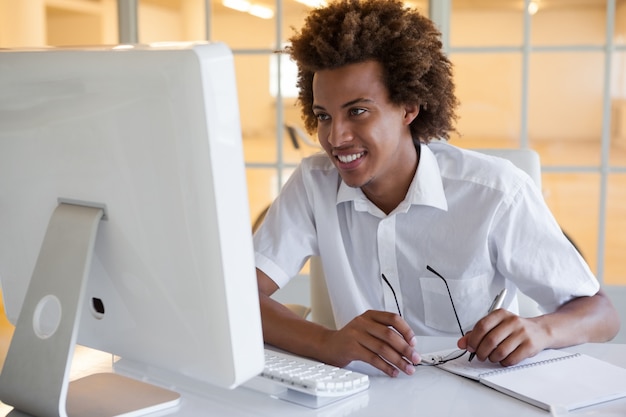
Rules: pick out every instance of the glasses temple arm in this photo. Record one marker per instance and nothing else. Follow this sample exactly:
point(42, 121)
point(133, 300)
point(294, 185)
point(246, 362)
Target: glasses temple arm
point(393, 292)
point(449, 295)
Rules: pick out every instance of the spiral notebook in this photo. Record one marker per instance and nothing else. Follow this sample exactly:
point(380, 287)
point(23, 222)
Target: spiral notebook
point(551, 379)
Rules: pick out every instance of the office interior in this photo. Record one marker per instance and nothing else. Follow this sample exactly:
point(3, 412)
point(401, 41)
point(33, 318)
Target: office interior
point(549, 75)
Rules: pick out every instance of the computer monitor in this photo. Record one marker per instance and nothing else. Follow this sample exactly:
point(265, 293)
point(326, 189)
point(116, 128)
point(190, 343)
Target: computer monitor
point(123, 194)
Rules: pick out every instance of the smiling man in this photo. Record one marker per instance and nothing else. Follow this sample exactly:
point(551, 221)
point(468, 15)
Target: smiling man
point(367, 135)
point(389, 197)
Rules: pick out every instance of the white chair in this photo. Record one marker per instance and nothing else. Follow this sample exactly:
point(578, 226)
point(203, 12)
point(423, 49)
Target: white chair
point(321, 310)
point(525, 159)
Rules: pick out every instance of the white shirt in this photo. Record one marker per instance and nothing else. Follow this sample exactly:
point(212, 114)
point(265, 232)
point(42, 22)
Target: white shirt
point(476, 219)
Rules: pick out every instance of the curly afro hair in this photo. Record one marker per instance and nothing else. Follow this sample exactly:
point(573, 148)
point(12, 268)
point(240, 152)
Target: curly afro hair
point(407, 44)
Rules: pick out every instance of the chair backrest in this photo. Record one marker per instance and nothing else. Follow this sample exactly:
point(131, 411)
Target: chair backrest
point(321, 310)
point(525, 159)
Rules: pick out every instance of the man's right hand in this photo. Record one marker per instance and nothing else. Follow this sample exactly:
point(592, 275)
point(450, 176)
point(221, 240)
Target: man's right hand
point(382, 339)
point(379, 338)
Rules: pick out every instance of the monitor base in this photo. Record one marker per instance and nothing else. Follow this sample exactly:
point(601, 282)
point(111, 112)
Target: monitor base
point(35, 376)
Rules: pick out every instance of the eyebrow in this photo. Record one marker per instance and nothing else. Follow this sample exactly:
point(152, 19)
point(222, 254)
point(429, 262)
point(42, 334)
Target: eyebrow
point(348, 104)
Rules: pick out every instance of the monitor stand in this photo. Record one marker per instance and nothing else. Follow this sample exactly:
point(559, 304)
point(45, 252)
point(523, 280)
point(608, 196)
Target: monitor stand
point(35, 376)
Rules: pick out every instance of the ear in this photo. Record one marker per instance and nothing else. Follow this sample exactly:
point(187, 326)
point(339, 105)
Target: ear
point(410, 113)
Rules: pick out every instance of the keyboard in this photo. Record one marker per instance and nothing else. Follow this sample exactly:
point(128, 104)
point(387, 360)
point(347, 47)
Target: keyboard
point(306, 381)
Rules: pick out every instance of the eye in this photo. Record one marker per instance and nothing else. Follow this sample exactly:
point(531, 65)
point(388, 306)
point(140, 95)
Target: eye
point(322, 116)
point(357, 111)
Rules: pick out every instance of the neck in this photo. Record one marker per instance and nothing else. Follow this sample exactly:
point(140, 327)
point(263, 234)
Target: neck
point(388, 196)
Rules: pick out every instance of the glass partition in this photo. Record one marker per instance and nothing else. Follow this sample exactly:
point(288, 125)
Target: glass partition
point(539, 74)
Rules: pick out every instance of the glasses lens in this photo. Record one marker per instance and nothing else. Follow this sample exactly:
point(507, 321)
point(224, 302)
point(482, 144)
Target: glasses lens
point(441, 357)
point(454, 355)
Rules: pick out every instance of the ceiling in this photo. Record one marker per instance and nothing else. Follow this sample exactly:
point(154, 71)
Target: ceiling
point(456, 4)
point(519, 4)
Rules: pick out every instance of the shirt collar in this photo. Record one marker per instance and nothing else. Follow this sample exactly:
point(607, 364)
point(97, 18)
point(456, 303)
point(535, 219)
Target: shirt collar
point(425, 189)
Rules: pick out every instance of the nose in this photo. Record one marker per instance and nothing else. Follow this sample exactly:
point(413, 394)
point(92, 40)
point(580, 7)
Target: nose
point(339, 133)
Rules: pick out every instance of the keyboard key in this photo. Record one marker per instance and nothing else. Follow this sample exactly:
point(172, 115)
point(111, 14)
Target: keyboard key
point(309, 376)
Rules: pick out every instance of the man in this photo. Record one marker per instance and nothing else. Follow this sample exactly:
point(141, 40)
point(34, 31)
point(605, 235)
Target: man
point(390, 197)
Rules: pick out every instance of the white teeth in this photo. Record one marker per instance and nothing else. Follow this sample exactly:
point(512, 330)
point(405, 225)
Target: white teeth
point(349, 158)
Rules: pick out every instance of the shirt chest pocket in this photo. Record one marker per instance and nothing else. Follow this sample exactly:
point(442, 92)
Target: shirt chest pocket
point(471, 300)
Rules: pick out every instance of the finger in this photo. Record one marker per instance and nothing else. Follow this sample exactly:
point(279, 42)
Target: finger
point(380, 363)
point(462, 343)
point(488, 334)
point(508, 353)
point(407, 340)
point(523, 351)
point(510, 341)
point(396, 322)
point(503, 350)
point(368, 348)
point(386, 343)
point(519, 345)
point(378, 338)
point(386, 320)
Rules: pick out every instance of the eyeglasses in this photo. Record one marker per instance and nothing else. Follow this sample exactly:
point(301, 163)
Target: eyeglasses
point(435, 359)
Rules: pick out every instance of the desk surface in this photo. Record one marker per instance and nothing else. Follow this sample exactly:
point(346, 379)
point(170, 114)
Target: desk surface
point(430, 391)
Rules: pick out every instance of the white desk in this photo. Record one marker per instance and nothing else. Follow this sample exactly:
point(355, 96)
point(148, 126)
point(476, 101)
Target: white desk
point(429, 392)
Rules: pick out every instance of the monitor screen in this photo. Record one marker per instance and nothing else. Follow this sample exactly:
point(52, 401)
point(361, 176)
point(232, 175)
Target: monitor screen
point(151, 134)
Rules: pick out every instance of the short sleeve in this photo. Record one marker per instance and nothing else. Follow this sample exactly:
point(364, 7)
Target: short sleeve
point(532, 251)
point(287, 236)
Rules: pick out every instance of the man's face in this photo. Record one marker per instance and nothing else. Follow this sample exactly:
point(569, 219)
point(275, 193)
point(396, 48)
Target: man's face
point(367, 137)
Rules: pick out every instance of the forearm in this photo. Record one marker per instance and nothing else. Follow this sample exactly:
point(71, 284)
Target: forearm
point(507, 338)
point(582, 320)
point(286, 330)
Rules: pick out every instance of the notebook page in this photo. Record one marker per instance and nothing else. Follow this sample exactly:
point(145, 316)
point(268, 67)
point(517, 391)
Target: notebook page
point(462, 366)
point(575, 382)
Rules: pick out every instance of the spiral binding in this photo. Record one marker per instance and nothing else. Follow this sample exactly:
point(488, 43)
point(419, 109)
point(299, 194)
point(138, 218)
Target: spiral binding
point(528, 365)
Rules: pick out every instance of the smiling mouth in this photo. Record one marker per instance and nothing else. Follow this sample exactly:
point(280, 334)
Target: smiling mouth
point(346, 159)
